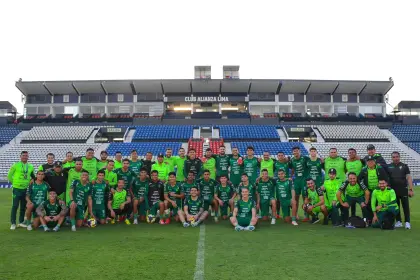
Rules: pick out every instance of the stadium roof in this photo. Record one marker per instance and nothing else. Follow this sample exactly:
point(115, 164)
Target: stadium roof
point(167, 86)
point(7, 105)
point(409, 105)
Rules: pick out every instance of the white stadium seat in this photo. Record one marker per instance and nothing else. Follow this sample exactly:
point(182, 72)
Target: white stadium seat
point(350, 132)
point(59, 133)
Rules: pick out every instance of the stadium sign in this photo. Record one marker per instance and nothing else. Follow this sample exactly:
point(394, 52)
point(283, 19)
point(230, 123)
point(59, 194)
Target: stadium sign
point(199, 99)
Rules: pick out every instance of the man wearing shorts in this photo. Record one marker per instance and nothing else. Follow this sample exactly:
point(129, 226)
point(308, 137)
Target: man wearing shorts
point(265, 197)
point(99, 196)
point(139, 194)
point(285, 194)
point(225, 194)
point(244, 215)
point(330, 188)
point(36, 194)
point(173, 197)
point(298, 165)
point(194, 212)
point(80, 194)
point(314, 202)
point(119, 203)
point(206, 187)
point(155, 198)
point(51, 213)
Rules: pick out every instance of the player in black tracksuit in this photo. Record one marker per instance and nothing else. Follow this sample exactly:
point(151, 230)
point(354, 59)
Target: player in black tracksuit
point(193, 164)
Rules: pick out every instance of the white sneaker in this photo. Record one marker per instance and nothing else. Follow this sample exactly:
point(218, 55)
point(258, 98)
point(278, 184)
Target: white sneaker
point(135, 222)
point(22, 225)
point(29, 227)
point(186, 224)
point(250, 228)
point(46, 229)
point(273, 221)
point(73, 228)
point(294, 223)
point(216, 219)
point(398, 224)
point(407, 225)
point(13, 227)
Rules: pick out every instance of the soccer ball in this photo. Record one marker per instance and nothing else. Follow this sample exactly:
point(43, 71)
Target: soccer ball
point(192, 220)
point(151, 219)
point(91, 223)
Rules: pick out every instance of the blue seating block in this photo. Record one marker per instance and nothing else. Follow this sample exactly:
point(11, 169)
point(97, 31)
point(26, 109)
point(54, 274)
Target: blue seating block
point(237, 132)
point(143, 147)
point(161, 132)
point(8, 133)
point(407, 133)
point(272, 147)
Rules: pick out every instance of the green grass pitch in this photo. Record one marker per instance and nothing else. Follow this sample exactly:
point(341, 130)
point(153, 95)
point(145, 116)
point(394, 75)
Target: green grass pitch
point(169, 252)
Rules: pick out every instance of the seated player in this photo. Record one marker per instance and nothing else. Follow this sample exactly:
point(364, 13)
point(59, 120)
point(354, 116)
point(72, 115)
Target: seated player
point(194, 212)
point(244, 216)
point(207, 186)
point(140, 190)
point(225, 195)
point(36, 193)
point(155, 198)
point(285, 194)
point(173, 196)
point(51, 213)
point(331, 187)
point(314, 202)
point(265, 197)
point(97, 208)
point(119, 203)
point(350, 193)
point(188, 184)
point(384, 206)
point(80, 195)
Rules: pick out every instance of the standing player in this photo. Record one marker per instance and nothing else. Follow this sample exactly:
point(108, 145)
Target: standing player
point(299, 168)
point(35, 195)
point(265, 197)
point(314, 202)
point(118, 160)
point(354, 163)
point(225, 195)
point(251, 165)
point(126, 174)
point(140, 190)
point(236, 168)
point(245, 184)
point(281, 163)
point(69, 162)
point(99, 197)
point(20, 174)
point(179, 163)
point(73, 174)
point(285, 194)
point(155, 198)
point(267, 163)
point(80, 197)
point(102, 163)
point(222, 163)
point(162, 168)
point(193, 164)
point(119, 203)
point(193, 210)
point(57, 180)
point(314, 167)
point(188, 184)
point(50, 163)
point(169, 160)
point(135, 163)
point(244, 215)
point(173, 196)
point(111, 178)
point(331, 187)
point(371, 152)
point(90, 163)
point(147, 162)
point(206, 187)
point(336, 162)
point(209, 163)
point(50, 213)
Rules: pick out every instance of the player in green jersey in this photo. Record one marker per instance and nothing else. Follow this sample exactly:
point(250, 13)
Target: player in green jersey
point(103, 162)
point(50, 163)
point(222, 163)
point(20, 174)
point(139, 194)
point(188, 184)
point(162, 168)
point(179, 162)
point(73, 173)
point(314, 166)
point(330, 188)
point(265, 197)
point(118, 160)
point(245, 184)
point(97, 208)
point(244, 216)
point(206, 187)
point(135, 163)
point(80, 197)
point(155, 198)
point(126, 174)
point(90, 163)
point(384, 206)
point(225, 195)
point(209, 163)
point(169, 159)
point(111, 178)
point(251, 165)
point(267, 163)
point(235, 168)
point(119, 203)
point(285, 194)
point(51, 213)
point(194, 212)
point(354, 164)
point(37, 193)
point(281, 163)
point(299, 168)
point(314, 202)
point(336, 162)
point(173, 196)
point(69, 161)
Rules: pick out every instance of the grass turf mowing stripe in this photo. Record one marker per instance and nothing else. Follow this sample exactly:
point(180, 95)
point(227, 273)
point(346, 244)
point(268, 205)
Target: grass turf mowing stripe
point(199, 263)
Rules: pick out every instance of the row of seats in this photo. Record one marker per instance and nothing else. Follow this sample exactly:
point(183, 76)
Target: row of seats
point(143, 147)
point(161, 132)
point(197, 145)
point(7, 133)
point(237, 132)
point(351, 132)
point(272, 147)
point(59, 133)
point(38, 152)
point(215, 145)
point(407, 133)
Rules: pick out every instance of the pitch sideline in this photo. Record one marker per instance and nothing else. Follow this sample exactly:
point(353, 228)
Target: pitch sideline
point(199, 263)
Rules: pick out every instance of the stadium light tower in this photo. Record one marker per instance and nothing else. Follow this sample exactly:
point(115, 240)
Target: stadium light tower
point(230, 71)
point(202, 72)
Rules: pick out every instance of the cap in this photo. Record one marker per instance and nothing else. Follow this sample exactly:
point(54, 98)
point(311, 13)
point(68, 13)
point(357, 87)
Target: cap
point(332, 171)
point(58, 164)
point(370, 147)
point(370, 158)
point(160, 155)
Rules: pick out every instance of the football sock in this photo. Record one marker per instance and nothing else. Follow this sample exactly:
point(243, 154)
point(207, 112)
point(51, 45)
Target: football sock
point(73, 222)
point(294, 219)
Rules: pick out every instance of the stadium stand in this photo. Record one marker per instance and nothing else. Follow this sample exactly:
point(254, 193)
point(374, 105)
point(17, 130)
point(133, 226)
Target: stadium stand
point(240, 132)
point(54, 134)
point(333, 133)
point(406, 133)
point(272, 147)
point(215, 145)
point(38, 152)
point(142, 148)
point(197, 145)
point(163, 132)
point(7, 133)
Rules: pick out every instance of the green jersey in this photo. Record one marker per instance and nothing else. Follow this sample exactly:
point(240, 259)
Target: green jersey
point(111, 177)
point(236, 171)
point(352, 190)
point(269, 165)
point(265, 189)
point(313, 195)
point(222, 165)
point(284, 189)
point(69, 164)
point(117, 164)
point(331, 189)
point(245, 208)
point(90, 165)
point(251, 189)
point(135, 166)
point(384, 198)
point(128, 177)
point(49, 208)
point(170, 161)
point(194, 205)
point(299, 167)
point(162, 169)
point(354, 166)
point(72, 175)
point(251, 168)
point(179, 163)
point(338, 164)
point(99, 193)
point(373, 180)
point(186, 188)
point(101, 164)
point(118, 198)
point(207, 188)
point(210, 164)
point(314, 169)
point(173, 189)
point(281, 165)
point(81, 192)
point(140, 188)
point(225, 193)
point(38, 193)
point(20, 174)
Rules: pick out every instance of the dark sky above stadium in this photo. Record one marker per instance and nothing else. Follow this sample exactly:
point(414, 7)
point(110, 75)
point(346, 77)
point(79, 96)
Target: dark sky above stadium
point(55, 40)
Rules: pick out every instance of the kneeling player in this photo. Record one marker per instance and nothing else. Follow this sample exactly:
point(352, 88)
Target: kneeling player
point(285, 194)
point(194, 212)
point(119, 202)
point(225, 195)
point(384, 206)
point(173, 196)
point(265, 197)
point(155, 198)
point(244, 215)
point(314, 202)
point(80, 195)
point(51, 213)
point(331, 187)
point(36, 194)
point(140, 190)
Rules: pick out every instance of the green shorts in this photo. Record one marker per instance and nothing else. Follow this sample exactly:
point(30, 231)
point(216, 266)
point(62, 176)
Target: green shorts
point(153, 209)
point(52, 224)
point(174, 210)
point(316, 209)
point(207, 204)
point(353, 200)
point(285, 205)
point(34, 214)
point(143, 206)
point(80, 212)
point(299, 185)
point(265, 207)
point(99, 212)
point(224, 208)
point(244, 222)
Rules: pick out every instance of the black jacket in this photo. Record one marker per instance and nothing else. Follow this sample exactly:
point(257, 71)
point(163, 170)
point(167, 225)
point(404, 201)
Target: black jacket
point(380, 172)
point(195, 166)
point(56, 181)
point(379, 160)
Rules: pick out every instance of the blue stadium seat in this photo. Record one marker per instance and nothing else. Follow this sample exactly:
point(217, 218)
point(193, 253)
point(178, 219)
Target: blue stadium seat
point(237, 132)
point(8, 133)
point(414, 145)
point(407, 133)
point(272, 147)
point(162, 132)
point(142, 147)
